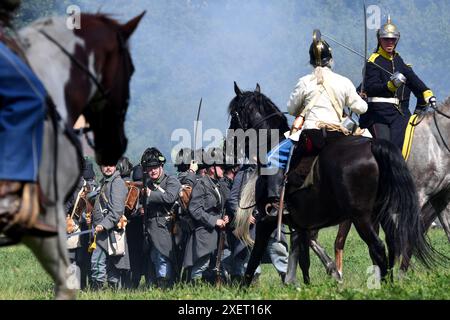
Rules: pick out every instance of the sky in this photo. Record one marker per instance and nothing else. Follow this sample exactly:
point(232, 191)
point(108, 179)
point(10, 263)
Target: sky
point(190, 49)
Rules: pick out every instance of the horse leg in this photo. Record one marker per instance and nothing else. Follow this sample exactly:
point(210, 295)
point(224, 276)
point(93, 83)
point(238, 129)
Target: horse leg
point(264, 229)
point(291, 277)
point(339, 243)
point(391, 243)
point(329, 264)
point(52, 254)
point(304, 260)
point(377, 250)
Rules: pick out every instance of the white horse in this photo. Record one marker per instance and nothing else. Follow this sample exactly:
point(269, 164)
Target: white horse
point(86, 71)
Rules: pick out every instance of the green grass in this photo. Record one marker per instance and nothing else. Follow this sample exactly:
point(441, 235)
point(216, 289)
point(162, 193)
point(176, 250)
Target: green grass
point(23, 278)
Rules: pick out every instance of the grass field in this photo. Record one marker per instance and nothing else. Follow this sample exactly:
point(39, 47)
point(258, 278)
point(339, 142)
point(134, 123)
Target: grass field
point(23, 278)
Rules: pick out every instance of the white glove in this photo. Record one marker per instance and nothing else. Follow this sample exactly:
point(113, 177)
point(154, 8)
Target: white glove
point(432, 101)
point(398, 79)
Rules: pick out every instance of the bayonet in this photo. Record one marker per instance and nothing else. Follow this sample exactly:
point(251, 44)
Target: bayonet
point(365, 48)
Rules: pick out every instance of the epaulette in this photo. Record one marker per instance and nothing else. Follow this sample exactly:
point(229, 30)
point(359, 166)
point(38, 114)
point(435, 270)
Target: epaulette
point(373, 57)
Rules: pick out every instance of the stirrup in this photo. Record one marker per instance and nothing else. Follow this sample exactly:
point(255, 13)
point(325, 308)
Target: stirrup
point(272, 209)
point(22, 210)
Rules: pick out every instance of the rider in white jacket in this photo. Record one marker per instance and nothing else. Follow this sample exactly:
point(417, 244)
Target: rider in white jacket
point(323, 111)
point(317, 102)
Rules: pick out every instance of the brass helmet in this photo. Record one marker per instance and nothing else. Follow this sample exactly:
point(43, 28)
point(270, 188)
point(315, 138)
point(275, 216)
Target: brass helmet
point(388, 30)
point(319, 51)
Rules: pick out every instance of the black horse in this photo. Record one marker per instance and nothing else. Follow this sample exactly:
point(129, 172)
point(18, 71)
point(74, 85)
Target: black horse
point(355, 178)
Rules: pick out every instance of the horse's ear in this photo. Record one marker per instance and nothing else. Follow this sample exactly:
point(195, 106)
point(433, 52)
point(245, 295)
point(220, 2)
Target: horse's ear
point(258, 88)
point(237, 90)
point(129, 27)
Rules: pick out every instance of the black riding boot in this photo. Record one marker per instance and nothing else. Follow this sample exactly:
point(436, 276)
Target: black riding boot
point(274, 184)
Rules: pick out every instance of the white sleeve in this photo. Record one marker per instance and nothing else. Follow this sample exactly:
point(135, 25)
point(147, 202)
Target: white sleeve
point(353, 100)
point(295, 103)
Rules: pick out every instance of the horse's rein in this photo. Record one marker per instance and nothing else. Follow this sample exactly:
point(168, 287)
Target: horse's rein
point(85, 69)
point(258, 123)
point(95, 100)
point(436, 110)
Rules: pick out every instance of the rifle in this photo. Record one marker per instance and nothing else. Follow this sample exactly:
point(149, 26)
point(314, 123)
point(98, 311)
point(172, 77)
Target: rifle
point(221, 244)
point(144, 209)
point(220, 248)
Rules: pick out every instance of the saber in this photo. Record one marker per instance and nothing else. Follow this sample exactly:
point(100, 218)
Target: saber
point(357, 53)
point(79, 233)
point(365, 47)
point(196, 124)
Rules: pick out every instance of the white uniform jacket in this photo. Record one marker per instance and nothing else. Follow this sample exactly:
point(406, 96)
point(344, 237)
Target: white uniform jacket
point(323, 110)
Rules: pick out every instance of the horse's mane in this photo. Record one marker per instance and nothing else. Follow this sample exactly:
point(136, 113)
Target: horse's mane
point(251, 102)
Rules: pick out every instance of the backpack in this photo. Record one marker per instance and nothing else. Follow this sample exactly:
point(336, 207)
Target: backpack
point(184, 195)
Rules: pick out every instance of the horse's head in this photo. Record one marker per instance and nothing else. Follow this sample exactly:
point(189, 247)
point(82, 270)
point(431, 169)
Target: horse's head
point(253, 110)
point(87, 72)
point(108, 95)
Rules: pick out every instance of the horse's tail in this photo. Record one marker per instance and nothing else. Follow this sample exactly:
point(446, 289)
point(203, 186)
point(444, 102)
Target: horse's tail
point(246, 207)
point(398, 205)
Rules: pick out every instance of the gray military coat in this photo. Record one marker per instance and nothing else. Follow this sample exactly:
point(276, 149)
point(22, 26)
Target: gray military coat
point(108, 212)
point(157, 222)
point(205, 208)
point(188, 177)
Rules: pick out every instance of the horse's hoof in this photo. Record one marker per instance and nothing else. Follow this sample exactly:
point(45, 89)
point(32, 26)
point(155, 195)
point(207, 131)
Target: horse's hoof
point(337, 276)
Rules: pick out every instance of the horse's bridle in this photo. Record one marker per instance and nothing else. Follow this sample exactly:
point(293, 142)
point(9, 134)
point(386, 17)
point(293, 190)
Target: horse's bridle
point(258, 123)
point(100, 98)
point(100, 88)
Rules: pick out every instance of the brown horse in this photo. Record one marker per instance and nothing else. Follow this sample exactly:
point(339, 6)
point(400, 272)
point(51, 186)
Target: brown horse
point(86, 72)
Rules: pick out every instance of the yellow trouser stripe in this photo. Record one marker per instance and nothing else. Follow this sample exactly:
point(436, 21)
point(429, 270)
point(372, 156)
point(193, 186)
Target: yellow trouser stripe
point(407, 143)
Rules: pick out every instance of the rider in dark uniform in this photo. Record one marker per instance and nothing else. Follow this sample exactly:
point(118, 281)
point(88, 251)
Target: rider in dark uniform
point(388, 85)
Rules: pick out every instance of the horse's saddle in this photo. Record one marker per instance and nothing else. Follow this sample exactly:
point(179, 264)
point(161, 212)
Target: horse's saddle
point(302, 176)
point(19, 211)
point(304, 159)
